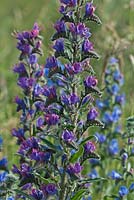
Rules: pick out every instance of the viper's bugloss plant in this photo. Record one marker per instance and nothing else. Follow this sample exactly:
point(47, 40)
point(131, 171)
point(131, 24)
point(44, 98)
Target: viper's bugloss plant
point(57, 108)
point(116, 162)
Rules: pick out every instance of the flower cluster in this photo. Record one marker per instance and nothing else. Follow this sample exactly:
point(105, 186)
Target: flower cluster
point(57, 108)
point(111, 107)
point(113, 148)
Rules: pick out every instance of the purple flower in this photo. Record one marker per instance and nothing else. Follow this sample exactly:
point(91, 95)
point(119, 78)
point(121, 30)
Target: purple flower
point(51, 62)
point(24, 171)
point(52, 119)
point(60, 26)
point(59, 46)
point(77, 68)
point(33, 59)
point(27, 186)
point(24, 48)
point(74, 99)
point(35, 30)
point(113, 147)
point(70, 3)
point(21, 104)
point(74, 168)
point(89, 147)
point(38, 90)
point(39, 122)
point(37, 194)
point(89, 9)
point(74, 69)
point(19, 134)
point(123, 191)
point(68, 136)
point(20, 69)
point(26, 83)
point(92, 114)
point(27, 145)
point(49, 189)
point(114, 175)
point(50, 92)
point(87, 46)
point(87, 98)
point(90, 81)
point(83, 31)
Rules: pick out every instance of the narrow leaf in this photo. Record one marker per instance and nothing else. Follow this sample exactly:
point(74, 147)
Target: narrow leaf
point(79, 194)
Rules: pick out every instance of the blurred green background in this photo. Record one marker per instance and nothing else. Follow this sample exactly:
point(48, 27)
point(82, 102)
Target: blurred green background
point(115, 35)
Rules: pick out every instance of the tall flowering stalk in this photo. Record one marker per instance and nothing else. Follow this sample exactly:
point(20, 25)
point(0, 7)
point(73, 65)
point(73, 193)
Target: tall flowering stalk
point(57, 108)
point(111, 145)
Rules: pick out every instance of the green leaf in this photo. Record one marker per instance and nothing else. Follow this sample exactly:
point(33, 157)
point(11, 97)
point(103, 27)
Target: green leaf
point(50, 144)
point(87, 139)
point(77, 155)
point(58, 35)
point(94, 18)
point(92, 180)
point(110, 196)
point(79, 194)
point(93, 90)
point(46, 181)
point(24, 194)
point(90, 54)
point(94, 123)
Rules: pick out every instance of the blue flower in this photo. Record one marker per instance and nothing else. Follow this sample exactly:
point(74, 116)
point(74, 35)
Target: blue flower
point(123, 191)
point(116, 113)
point(100, 104)
point(114, 175)
point(131, 188)
point(3, 163)
point(113, 147)
point(10, 198)
point(101, 137)
point(3, 176)
point(114, 89)
point(120, 99)
point(107, 118)
point(113, 60)
point(93, 174)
